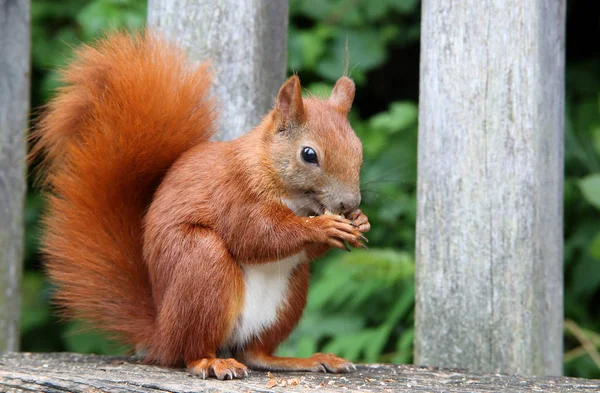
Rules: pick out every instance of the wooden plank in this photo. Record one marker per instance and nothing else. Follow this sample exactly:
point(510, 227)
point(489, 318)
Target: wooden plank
point(245, 41)
point(489, 244)
point(64, 372)
point(14, 107)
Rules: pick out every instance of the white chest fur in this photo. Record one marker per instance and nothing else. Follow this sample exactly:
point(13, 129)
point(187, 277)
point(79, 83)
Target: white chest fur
point(266, 288)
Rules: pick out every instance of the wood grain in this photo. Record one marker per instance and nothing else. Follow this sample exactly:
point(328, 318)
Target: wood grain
point(245, 42)
point(14, 106)
point(489, 247)
point(65, 372)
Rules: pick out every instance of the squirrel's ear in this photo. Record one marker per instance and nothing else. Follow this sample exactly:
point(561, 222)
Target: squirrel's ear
point(289, 103)
point(343, 94)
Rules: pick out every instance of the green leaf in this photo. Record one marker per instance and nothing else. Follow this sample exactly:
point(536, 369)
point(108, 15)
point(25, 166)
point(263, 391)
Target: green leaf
point(586, 274)
point(375, 9)
point(51, 52)
point(80, 338)
point(315, 9)
point(306, 347)
point(404, 347)
point(34, 312)
point(400, 116)
point(349, 346)
point(596, 138)
point(320, 90)
point(376, 343)
point(404, 6)
point(590, 187)
point(366, 50)
point(105, 15)
point(595, 246)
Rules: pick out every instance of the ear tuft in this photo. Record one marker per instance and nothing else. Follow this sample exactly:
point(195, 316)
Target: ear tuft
point(343, 94)
point(289, 102)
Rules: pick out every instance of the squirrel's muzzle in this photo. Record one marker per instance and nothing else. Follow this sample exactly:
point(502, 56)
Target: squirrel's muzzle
point(348, 202)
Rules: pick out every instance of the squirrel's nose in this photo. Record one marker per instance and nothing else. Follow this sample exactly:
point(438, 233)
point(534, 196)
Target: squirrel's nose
point(349, 202)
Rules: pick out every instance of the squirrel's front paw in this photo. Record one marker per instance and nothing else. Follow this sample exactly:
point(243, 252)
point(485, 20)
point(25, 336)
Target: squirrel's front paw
point(360, 219)
point(334, 230)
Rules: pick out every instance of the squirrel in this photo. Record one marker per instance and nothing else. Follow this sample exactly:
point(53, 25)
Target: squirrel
point(193, 251)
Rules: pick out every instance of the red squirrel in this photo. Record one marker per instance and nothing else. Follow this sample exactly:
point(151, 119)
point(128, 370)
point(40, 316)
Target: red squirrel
point(195, 252)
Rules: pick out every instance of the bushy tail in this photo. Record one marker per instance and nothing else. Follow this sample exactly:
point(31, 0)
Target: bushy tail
point(131, 106)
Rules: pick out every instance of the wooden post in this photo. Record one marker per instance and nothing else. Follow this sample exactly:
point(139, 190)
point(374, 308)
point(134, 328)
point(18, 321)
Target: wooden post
point(489, 247)
point(245, 41)
point(14, 106)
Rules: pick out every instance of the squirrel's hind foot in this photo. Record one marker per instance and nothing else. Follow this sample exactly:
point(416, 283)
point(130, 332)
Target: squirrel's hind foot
point(319, 362)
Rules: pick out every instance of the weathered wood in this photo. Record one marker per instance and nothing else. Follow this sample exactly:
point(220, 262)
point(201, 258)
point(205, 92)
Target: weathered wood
point(14, 106)
point(489, 244)
point(64, 372)
point(245, 41)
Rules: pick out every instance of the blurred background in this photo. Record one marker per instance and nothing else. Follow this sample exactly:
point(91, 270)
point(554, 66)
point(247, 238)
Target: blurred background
point(361, 304)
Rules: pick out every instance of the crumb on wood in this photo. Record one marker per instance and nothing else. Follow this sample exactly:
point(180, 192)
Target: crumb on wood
point(283, 382)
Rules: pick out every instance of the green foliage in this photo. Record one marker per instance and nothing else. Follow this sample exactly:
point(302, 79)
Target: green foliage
point(361, 303)
point(369, 28)
point(59, 27)
point(582, 205)
point(79, 337)
point(344, 315)
point(35, 302)
point(590, 188)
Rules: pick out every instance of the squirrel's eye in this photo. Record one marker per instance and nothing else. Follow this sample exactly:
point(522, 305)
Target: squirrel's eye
point(309, 155)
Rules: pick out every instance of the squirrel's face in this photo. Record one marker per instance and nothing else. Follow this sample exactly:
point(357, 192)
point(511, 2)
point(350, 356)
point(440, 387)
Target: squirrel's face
point(315, 150)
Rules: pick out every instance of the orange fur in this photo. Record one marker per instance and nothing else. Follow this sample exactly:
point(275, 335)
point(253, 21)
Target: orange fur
point(149, 225)
point(130, 108)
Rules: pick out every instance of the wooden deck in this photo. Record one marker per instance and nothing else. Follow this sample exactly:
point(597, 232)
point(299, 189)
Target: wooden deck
point(67, 372)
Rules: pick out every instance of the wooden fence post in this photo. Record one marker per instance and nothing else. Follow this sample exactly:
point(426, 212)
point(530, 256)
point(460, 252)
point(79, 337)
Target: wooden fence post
point(14, 106)
point(245, 41)
point(489, 248)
